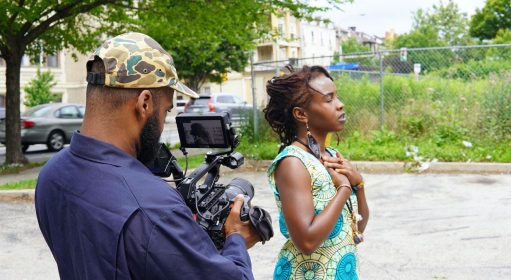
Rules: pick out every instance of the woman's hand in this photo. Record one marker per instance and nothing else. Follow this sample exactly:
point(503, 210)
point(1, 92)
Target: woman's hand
point(337, 178)
point(340, 165)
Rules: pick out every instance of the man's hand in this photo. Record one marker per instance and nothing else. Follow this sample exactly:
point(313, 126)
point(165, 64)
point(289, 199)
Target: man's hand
point(342, 166)
point(233, 224)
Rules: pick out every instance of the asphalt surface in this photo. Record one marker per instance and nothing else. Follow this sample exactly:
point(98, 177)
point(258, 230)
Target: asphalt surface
point(422, 226)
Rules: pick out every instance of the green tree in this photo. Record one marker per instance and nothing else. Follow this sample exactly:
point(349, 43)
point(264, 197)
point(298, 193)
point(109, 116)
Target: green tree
point(200, 28)
point(423, 37)
point(39, 89)
point(208, 38)
point(45, 26)
point(420, 37)
point(494, 16)
point(217, 42)
point(353, 46)
point(503, 36)
point(448, 22)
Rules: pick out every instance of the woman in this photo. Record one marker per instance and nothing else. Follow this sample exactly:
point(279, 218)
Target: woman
point(318, 193)
point(200, 134)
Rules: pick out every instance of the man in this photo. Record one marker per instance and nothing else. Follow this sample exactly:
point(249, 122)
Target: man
point(102, 213)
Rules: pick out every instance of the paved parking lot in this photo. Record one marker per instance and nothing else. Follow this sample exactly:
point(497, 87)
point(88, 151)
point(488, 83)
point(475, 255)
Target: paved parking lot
point(422, 226)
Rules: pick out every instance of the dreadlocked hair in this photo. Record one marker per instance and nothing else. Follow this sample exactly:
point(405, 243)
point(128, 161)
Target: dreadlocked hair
point(287, 92)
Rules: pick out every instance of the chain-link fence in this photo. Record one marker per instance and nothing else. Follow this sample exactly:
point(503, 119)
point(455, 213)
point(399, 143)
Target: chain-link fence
point(455, 91)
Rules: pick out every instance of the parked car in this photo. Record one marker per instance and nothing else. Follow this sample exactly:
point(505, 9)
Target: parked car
point(180, 106)
point(219, 102)
point(50, 124)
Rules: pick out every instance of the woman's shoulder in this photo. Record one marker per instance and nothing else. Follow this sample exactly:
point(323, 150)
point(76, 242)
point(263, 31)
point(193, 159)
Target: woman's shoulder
point(289, 151)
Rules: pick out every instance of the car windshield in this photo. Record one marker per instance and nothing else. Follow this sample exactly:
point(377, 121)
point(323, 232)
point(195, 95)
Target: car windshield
point(37, 111)
point(199, 101)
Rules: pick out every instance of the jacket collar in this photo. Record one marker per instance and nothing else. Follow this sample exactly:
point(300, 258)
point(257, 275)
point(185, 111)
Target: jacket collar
point(101, 152)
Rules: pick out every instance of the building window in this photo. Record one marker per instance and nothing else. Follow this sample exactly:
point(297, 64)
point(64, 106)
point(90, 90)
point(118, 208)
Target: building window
point(312, 37)
point(25, 60)
point(52, 61)
point(207, 90)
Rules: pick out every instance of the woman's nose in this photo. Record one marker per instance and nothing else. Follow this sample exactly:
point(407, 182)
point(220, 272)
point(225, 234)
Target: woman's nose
point(340, 106)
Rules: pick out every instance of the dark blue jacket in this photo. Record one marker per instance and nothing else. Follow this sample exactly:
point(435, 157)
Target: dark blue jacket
point(105, 216)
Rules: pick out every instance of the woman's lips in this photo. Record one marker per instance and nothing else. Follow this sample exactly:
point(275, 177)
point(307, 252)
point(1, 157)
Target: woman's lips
point(342, 118)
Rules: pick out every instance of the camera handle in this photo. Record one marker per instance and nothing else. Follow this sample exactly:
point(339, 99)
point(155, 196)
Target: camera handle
point(187, 186)
point(211, 169)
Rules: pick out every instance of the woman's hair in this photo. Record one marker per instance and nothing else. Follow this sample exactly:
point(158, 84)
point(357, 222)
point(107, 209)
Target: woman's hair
point(287, 92)
point(200, 131)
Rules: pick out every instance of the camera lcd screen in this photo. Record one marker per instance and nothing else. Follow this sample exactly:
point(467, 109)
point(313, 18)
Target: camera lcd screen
point(202, 131)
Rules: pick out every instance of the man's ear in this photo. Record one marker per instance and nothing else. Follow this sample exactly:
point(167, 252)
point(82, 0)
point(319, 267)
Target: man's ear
point(300, 115)
point(144, 104)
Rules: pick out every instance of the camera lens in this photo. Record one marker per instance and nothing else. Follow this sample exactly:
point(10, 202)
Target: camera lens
point(239, 186)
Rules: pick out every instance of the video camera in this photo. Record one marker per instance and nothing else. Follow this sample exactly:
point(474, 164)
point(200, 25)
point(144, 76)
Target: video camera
point(210, 201)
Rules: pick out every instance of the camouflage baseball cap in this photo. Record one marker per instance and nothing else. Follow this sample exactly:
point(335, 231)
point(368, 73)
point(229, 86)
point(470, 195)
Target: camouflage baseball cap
point(135, 60)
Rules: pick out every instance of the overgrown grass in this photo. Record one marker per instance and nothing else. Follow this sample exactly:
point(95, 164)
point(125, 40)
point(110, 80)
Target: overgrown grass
point(430, 107)
point(394, 149)
point(19, 185)
point(363, 149)
point(445, 117)
point(16, 168)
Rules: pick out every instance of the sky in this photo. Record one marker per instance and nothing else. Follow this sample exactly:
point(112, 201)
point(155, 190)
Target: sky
point(383, 15)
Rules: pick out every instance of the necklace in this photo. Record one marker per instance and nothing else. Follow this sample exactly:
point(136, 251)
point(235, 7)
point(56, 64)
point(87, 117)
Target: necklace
point(358, 237)
point(313, 145)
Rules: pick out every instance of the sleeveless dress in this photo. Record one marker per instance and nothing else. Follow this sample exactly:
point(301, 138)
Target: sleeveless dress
point(337, 257)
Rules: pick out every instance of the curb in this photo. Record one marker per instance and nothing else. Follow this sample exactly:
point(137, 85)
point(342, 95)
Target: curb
point(17, 195)
point(406, 167)
point(369, 167)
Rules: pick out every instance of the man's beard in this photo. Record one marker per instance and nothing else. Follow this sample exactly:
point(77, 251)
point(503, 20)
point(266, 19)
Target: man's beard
point(147, 150)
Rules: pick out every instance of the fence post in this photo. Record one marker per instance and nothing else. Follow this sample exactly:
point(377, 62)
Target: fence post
point(382, 118)
point(254, 103)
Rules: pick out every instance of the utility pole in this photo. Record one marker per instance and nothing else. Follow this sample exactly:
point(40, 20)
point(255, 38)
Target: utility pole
point(254, 103)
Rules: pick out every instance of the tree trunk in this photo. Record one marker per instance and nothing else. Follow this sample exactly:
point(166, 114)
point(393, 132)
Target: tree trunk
point(195, 81)
point(14, 154)
point(193, 84)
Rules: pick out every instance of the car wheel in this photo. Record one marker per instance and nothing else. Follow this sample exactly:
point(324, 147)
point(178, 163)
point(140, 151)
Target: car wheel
point(55, 141)
point(24, 147)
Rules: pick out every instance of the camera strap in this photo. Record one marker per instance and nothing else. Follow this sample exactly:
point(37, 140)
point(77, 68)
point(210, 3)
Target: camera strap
point(355, 218)
point(261, 220)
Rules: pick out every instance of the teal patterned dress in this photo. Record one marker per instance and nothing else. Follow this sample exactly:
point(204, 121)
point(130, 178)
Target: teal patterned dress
point(337, 257)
